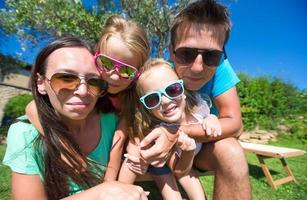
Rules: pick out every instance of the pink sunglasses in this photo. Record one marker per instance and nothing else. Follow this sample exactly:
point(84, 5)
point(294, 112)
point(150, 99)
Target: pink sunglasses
point(106, 63)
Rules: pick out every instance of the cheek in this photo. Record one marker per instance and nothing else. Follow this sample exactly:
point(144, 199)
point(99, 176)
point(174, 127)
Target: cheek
point(209, 72)
point(180, 70)
point(56, 102)
point(155, 112)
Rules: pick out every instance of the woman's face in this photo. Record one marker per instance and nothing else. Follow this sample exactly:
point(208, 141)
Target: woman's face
point(117, 49)
point(70, 104)
point(169, 110)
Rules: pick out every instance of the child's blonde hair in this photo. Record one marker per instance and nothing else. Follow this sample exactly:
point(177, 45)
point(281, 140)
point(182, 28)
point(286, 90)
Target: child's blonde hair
point(141, 121)
point(130, 33)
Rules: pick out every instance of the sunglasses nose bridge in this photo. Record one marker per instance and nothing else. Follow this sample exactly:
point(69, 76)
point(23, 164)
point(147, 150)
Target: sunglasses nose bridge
point(82, 88)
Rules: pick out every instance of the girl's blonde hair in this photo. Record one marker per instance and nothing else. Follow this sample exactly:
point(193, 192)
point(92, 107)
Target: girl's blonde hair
point(130, 33)
point(141, 121)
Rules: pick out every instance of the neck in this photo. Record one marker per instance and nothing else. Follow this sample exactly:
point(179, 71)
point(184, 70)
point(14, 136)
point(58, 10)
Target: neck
point(78, 127)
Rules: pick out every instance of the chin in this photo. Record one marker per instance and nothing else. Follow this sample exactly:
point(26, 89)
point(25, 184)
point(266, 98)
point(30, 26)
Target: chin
point(193, 87)
point(172, 119)
point(115, 90)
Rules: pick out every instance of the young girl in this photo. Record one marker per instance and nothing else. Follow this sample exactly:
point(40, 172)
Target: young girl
point(121, 51)
point(163, 101)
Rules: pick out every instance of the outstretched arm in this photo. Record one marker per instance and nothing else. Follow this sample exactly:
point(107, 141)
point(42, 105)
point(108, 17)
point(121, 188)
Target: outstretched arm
point(28, 187)
point(116, 153)
point(133, 164)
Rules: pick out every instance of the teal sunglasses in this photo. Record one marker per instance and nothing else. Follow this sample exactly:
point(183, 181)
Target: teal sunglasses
point(171, 91)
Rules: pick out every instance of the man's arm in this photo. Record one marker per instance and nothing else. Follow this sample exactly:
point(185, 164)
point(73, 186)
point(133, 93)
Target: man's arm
point(230, 118)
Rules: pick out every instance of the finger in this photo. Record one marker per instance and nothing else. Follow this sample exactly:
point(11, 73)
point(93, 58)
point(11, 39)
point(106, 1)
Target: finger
point(208, 131)
point(144, 195)
point(220, 132)
point(132, 158)
point(158, 163)
point(136, 170)
point(149, 139)
point(153, 151)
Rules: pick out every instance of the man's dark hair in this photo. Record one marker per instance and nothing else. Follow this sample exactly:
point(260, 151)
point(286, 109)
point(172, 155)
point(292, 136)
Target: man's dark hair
point(203, 12)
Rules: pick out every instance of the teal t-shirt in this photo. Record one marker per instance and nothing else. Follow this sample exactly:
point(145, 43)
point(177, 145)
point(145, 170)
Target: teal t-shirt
point(19, 155)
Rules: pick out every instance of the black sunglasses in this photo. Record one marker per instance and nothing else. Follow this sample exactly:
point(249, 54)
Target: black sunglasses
point(211, 57)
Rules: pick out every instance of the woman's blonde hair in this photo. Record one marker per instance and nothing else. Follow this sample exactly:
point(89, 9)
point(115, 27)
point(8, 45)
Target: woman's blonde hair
point(141, 121)
point(130, 33)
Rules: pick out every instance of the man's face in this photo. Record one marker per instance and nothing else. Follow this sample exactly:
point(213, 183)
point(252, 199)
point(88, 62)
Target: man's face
point(197, 73)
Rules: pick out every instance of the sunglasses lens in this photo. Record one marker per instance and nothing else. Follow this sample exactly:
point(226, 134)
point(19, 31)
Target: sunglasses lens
point(185, 55)
point(64, 81)
point(212, 58)
point(127, 72)
point(96, 86)
point(104, 63)
point(174, 90)
point(152, 100)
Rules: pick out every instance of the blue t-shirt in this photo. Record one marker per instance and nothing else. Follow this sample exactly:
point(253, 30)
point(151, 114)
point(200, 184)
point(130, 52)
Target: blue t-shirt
point(223, 79)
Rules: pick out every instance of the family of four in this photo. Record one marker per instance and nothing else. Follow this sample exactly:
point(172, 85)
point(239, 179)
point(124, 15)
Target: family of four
point(100, 118)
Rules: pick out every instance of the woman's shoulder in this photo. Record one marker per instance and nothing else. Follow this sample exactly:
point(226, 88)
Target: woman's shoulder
point(22, 132)
point(19, 153)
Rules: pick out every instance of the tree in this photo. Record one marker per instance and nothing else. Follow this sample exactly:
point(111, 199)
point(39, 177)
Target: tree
point(9, 65)
point(36, 20)
point(155, 17)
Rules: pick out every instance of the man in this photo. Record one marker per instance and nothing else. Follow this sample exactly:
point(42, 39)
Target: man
point(198, 36)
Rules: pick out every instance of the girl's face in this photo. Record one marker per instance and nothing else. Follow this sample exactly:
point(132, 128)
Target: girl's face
point(169, 110)
point(117, 49)
point(62, 68)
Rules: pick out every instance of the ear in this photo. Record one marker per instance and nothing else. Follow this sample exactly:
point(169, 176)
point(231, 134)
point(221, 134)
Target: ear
point(40, 82)
point(184, 96)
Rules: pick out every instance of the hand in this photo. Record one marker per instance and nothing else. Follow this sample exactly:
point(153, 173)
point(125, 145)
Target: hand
point(185, 143)
point(121, 191)
point(212, 126)
point(136, 164)
point(157, 145)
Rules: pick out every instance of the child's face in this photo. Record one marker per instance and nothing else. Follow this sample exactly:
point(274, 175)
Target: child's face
point(169, 110)
point(117, 49)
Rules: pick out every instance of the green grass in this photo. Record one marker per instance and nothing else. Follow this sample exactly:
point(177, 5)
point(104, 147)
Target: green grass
point(260, 187)
point(5, 177)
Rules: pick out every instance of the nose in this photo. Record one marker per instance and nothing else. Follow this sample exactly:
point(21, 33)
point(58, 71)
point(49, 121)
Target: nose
point(114, 75)
point(82, 89)
point(198, 64)
point(165, 100)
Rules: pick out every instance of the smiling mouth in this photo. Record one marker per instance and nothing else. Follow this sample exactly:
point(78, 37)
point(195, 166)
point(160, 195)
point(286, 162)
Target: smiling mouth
point(194, 78)
point(169, 110)
point(113, 85)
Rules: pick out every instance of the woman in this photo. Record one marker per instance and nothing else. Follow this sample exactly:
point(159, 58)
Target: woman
point(69, 157)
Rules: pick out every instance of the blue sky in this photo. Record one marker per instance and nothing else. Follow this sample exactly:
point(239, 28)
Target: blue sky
point(268, 38)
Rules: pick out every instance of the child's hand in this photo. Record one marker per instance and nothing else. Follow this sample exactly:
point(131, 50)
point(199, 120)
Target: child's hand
point(212, 126)
point(185, 143)
point(136, 164)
